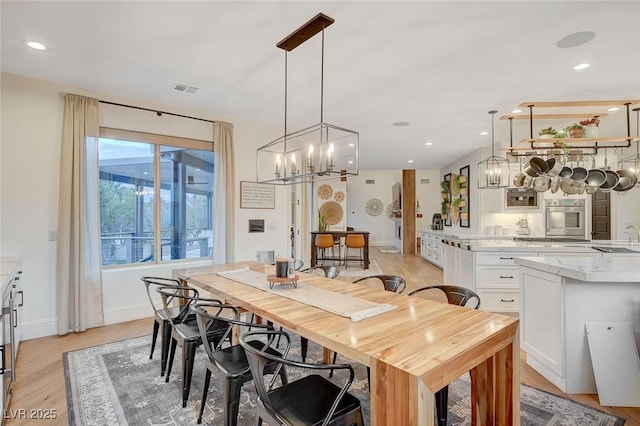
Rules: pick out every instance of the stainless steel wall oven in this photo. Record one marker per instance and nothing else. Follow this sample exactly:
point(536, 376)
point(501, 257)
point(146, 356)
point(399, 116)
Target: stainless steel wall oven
point(565, 217)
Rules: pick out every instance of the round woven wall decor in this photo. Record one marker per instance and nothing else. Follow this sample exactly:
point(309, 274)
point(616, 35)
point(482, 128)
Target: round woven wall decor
point(332, 212)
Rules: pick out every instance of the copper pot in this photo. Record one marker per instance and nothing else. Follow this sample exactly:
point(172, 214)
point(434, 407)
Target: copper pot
point(536, 167)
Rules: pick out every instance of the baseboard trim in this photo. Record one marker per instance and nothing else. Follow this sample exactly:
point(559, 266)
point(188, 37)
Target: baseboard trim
point(36, 329)
point(127, 313)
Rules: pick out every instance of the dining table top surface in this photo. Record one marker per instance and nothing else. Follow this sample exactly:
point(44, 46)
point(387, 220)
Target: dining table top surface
point(425, 338)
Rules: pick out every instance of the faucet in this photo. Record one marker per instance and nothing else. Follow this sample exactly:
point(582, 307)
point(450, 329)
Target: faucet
point(630, 236)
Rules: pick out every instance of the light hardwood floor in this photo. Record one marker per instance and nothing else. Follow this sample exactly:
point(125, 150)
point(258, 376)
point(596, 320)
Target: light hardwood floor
point(41, 384)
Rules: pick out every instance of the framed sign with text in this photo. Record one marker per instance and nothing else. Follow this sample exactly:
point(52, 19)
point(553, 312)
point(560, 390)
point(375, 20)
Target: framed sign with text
point(257, 195)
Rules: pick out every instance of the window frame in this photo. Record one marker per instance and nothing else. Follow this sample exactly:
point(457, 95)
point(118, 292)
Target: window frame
point(157, 140)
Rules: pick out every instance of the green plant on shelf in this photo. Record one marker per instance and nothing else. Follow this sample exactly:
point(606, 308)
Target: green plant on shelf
point(444, 207)
point(456, 183)
point(446, 186)
point(549, 131)
point(322, 222)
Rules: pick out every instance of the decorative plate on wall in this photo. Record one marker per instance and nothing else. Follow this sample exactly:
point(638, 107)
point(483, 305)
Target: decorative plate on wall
point(332, 212)
point(374, 207)
point(325, 191)
point(339, 196)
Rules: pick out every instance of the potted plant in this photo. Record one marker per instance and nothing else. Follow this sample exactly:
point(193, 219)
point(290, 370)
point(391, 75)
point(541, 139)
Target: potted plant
point(547, 133)
point(562, 134)
point(575, 130)
point(444, 208)
point(446, 186)
point(455, 184)
point(591, 127)
point(322, 222)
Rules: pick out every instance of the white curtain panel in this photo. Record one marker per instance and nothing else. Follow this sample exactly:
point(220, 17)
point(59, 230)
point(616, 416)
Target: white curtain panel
point(223, 194)
point(78, 264)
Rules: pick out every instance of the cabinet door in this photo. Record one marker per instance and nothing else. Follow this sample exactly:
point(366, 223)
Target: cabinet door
point(541, 319)
point(465, 269)
point(450, 265)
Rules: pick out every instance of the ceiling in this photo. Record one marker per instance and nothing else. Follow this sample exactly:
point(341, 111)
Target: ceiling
point(441, 66)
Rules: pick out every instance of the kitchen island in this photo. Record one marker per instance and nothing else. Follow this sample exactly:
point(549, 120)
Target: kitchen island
point(487, 266)
point(559, 295)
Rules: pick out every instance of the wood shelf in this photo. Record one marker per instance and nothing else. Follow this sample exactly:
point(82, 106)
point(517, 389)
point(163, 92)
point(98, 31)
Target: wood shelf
point(553, 116)
point(581, 141)
point(573, 104)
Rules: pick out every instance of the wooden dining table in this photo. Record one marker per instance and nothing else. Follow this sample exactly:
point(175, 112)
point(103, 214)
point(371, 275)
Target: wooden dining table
point(413, 350)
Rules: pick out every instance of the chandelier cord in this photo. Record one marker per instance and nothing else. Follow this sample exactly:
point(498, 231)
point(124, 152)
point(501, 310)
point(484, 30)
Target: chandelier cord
point(322, 79)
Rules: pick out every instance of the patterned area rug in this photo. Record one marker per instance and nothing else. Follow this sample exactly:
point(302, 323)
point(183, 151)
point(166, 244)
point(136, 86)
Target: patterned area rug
point(388, 250)
point(117, 384)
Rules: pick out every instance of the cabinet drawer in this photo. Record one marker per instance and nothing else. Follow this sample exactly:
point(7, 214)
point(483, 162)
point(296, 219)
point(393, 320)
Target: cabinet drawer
point(496, 276)
point(499, 300)
point(505, 258)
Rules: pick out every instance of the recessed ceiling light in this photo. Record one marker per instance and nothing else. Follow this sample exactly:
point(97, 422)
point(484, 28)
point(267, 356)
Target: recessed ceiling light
point(410, 161)
point(484, 133)
point(350, 161)
point(613, 109)
point(351, 145)
point(516, 111)
point(581, 67)
point(145, 173)
point(37, 46)
point(401, 123)
point(429, 143)
point(575, 39)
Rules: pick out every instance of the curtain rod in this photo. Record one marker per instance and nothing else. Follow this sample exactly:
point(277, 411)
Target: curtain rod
point(158, 112)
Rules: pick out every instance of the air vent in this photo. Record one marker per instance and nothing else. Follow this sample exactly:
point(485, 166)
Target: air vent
point(424, 181)
point(370, 181)
point(185, 88)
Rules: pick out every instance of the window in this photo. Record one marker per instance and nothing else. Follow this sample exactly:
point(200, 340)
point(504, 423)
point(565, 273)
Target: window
point(138, 226)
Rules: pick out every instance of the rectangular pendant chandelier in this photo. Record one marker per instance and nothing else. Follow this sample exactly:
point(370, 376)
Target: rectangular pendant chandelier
point(318, 152)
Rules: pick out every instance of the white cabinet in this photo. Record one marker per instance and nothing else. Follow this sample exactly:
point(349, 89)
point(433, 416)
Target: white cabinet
point(431, 248)
point(553, 313)
point(17, 297)
point(458, 267)
point(497, 281)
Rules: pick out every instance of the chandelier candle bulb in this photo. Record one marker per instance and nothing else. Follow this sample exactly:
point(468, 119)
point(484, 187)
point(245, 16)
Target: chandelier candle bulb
point(278, 161)
point(293, 164)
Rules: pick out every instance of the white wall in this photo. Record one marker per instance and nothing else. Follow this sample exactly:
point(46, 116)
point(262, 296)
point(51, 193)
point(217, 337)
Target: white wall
point(381, 227)
point(359, 192)
point(32, 113)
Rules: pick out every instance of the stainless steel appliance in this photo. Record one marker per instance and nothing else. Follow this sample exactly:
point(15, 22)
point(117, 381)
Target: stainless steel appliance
point(521, 199)
point(565, 217)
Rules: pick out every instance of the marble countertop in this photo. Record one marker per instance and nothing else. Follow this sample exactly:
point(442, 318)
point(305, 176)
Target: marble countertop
point(462, 235)
point(587, 268)
point(482, 243)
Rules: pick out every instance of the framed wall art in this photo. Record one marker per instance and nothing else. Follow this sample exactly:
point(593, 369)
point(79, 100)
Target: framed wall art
point(257, 195)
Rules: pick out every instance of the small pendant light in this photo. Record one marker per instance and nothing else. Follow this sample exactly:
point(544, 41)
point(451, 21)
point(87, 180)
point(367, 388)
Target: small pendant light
point(493, 172)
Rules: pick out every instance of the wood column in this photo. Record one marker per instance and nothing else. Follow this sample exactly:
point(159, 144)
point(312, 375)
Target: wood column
point(408, 211)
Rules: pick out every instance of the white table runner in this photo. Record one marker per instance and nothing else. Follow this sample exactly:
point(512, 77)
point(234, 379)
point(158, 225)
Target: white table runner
point(337, 303)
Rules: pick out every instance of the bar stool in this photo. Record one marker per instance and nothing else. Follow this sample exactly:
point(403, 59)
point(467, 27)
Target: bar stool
point(354, 241)
point(323, 242)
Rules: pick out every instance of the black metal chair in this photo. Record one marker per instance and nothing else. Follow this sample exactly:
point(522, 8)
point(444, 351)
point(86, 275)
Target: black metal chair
point(311, 400)
point(392, 283)
point(229, 363)
point(330, 272)
point(185, 332)
point(455, 296)
point(161, 322)
point(298, 264)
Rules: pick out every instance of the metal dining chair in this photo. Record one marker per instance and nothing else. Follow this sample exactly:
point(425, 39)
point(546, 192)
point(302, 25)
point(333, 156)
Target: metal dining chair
point(185, 332)
point(228, 362)
point(391, 283)
point(310, 400)
point(161, 323)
